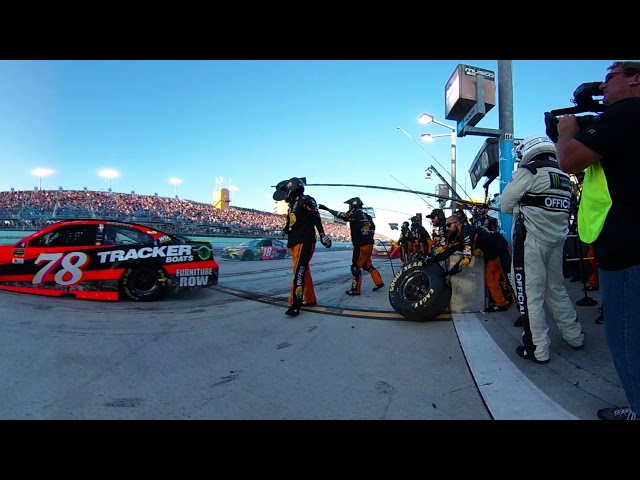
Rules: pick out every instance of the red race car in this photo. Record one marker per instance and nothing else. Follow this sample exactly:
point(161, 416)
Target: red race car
point(105, 260)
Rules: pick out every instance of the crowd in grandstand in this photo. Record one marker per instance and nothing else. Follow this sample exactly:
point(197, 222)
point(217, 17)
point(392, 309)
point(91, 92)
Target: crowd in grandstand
point(33, 209)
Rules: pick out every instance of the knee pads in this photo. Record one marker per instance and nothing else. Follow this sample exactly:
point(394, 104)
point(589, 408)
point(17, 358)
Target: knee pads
point(355, 271)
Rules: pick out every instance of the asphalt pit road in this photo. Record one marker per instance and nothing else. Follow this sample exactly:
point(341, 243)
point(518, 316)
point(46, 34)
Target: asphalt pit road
point(125, 402)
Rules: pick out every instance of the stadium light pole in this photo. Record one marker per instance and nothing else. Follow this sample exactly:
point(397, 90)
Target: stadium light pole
point(466, 174)
point(108, 173)
point(426, 119)
point(42, 172)
point(176, 182)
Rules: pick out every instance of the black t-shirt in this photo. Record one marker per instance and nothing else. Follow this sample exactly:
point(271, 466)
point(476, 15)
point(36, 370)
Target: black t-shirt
point(615, 136)
point(487, 222)
point(420, 233)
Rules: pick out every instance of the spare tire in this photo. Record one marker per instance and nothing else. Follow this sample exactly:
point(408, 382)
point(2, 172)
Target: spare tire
point(419, 291)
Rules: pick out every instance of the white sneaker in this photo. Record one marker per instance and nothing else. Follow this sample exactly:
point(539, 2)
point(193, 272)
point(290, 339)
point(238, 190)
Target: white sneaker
point(618, 414)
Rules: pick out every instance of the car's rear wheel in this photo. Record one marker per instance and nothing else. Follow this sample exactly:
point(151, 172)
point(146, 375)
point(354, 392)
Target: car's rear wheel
point(144, 283)
point(247, 255)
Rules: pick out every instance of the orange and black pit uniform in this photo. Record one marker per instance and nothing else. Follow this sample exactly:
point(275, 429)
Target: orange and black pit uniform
point(363, 230)
point(439, 234)
point(303, 219)
point(464, 220)
point(439, 240)
point(497, 259)
point(406, 242)
point(422, 238)
point(487, 222)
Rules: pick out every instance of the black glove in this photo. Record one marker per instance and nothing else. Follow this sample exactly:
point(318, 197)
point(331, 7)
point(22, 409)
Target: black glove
point(322, 207)
point(325, 240)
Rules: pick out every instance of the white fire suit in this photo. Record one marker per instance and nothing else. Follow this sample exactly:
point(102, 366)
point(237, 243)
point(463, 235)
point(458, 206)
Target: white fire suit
point(539, 193)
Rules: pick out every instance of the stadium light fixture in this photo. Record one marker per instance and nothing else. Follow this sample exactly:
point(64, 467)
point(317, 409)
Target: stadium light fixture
point(426, 119)
point(42, 172)
point(108, 173)
point(427, 137)
point(176, 182)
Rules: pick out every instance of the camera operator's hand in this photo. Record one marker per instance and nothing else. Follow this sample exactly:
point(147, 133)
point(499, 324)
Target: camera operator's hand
point(322, 207)
point(568, 126)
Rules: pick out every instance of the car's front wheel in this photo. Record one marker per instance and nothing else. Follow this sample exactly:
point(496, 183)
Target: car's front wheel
point(144, 283)
point(247, 255)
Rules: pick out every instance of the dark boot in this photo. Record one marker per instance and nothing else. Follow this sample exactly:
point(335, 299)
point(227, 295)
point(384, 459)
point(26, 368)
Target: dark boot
point(294, 309)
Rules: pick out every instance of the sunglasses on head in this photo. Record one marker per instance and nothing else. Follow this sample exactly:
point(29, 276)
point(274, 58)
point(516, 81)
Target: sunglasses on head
point(609, 76)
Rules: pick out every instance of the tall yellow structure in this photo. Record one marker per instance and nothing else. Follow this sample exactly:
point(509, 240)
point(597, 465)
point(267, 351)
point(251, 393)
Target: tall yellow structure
point(221, 199)
point(280, 208)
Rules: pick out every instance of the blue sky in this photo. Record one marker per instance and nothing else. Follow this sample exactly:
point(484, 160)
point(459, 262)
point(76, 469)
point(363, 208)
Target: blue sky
point(253, 123)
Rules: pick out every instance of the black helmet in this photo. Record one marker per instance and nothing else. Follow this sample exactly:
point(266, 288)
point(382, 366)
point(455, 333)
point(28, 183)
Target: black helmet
point(405, 225)
point(354, 203)
point(415, 220)
point(293, 186)
point(281, 191)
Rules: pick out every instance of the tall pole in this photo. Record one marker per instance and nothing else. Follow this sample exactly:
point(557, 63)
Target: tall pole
point(454, 137)
point(466, 174)
point(40, 183)
point(505, 120)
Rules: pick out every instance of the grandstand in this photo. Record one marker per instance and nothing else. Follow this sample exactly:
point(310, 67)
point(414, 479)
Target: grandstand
point(33, 209)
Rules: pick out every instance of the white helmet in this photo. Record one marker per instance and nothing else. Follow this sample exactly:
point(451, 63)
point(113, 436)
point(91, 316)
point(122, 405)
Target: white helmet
point(533, 146)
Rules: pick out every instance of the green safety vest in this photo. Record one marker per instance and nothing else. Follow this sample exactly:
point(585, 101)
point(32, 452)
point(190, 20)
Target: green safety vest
point(595, 203)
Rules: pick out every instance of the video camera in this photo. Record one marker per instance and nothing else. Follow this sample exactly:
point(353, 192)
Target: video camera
point(584, 101)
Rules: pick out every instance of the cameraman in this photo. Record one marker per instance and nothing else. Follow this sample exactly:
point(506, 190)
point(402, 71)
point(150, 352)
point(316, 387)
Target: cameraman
point(609, 150)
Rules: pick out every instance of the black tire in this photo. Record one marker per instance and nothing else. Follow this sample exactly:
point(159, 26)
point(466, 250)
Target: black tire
point(144, 283)
point(419, 291)
point(247, 255)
